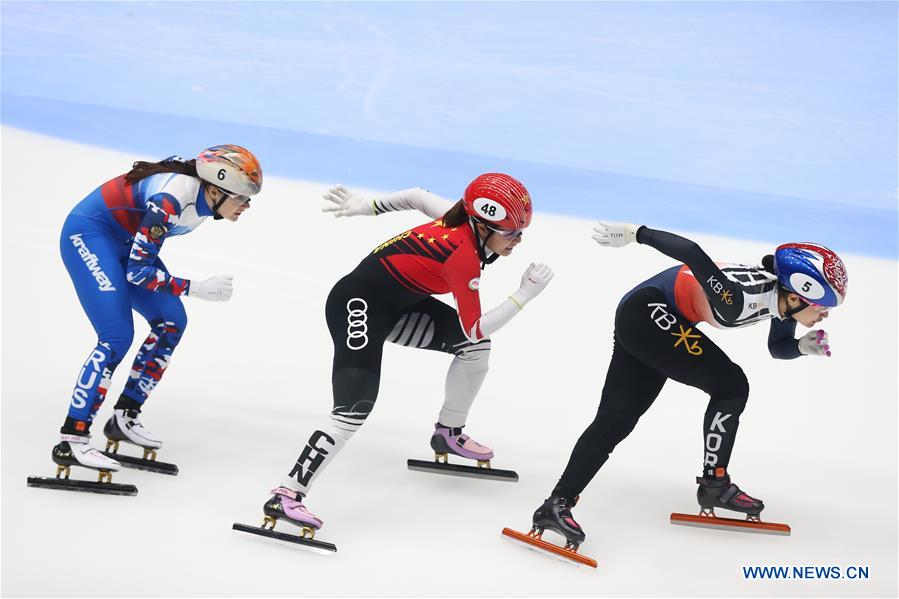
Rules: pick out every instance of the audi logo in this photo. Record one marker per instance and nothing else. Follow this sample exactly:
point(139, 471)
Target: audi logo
point(357, 323)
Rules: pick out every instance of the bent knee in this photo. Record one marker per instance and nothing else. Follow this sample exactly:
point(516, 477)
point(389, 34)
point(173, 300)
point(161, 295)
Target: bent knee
point(474, 353)
point(118, 341)
point(732, 386)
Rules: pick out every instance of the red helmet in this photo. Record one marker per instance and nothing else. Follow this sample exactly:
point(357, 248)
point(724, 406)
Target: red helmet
point(499, 201)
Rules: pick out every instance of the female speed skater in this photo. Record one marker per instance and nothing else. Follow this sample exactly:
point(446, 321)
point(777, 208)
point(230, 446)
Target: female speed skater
point(110, 246)
point(656, 339)
point(388, 297)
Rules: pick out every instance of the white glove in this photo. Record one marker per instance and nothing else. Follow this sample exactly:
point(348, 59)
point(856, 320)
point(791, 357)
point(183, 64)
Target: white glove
point(344, 202)
point(814, 343)
point(533, 281)
point(215, 289)
point(614, 235)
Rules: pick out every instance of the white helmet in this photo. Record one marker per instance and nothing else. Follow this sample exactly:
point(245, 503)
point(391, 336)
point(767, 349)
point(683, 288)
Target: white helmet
point(233, 168)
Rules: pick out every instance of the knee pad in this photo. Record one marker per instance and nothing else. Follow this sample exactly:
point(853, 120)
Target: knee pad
point(475, 356)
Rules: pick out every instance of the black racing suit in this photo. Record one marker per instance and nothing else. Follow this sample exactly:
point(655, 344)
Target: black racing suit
point(655, 341)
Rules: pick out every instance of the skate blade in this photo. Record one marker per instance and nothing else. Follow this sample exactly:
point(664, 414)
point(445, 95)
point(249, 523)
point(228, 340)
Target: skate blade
point(310, 544)
point(771, 528)
point(86, 486)
point(142, 464)
point(460, 470)
point(541, 546)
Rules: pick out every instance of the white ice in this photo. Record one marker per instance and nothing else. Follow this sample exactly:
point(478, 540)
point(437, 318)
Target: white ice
point(817, 441)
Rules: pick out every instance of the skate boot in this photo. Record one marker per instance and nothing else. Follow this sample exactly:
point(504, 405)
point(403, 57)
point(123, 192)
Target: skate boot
point(446, 440)
point(555, 515)
point(720, 492)
point(125, 426)
point(287, 504)
point(717, 491)
point(75, 450)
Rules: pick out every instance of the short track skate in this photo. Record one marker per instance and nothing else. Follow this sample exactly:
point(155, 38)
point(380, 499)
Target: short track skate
point(450, 441)
point(115, 435)
point(267, 529)
point(555, 514)
point(534, 540)
point(62, 456)
point(286, 504)
point(723, 494)
point(148, 462)
point(441, 465)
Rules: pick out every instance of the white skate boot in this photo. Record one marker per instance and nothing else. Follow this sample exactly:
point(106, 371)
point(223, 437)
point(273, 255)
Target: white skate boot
point(75, 450)
point(125, 425)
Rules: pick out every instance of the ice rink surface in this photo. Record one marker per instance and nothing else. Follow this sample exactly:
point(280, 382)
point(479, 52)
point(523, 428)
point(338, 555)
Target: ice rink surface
point(251, 376)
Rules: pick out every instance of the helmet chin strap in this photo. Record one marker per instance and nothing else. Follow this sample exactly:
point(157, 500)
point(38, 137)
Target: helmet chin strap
point(217, 205)
point(791, 311)
point(482, 245)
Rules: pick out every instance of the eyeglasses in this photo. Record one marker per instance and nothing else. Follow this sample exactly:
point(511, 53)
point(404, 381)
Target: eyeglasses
point(233, 196)
point(507, 233)
point(815, 307)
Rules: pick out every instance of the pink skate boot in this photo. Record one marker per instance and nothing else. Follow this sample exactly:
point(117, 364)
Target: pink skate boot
point(288, 504)
point(446, 441)
point(451, 440)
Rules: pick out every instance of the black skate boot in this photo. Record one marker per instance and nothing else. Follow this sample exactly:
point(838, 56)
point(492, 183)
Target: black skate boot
point(555, 514)
point(716, 490)
point(720, 492)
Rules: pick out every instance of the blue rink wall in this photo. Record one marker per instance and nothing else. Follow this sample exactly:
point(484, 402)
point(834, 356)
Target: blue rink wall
point(766, 121)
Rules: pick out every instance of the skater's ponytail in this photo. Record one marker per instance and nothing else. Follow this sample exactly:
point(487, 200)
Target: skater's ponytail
point(768, 265)
point(456, 215)
point(173, 164)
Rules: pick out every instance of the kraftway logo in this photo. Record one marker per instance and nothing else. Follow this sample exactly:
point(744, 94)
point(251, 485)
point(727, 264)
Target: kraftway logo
point(92, 261)
point(357, 323)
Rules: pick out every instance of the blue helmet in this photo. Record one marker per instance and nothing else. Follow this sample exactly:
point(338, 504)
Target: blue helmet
point(813, 272)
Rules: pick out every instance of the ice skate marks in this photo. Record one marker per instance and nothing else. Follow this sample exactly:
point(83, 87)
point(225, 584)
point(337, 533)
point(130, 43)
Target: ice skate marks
point(703, 520)
point(482, 470)
point(307, 543)
point(535, 543)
